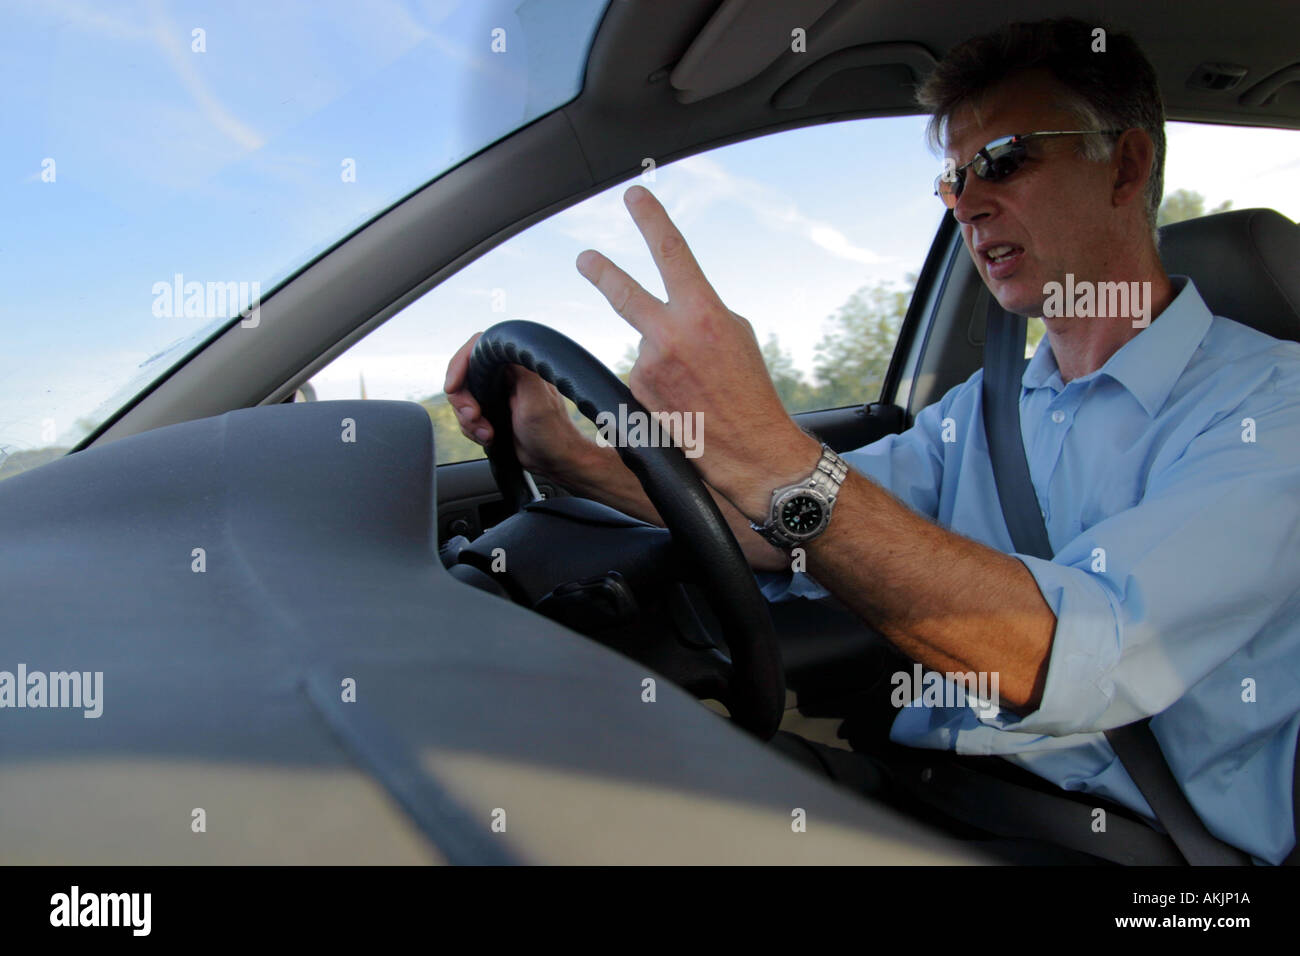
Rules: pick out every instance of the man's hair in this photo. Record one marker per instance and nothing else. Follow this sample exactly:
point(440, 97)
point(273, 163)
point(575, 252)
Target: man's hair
point(1114, 89)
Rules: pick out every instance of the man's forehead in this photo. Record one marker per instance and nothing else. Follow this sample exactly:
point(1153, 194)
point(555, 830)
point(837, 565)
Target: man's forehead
point(1022, 103)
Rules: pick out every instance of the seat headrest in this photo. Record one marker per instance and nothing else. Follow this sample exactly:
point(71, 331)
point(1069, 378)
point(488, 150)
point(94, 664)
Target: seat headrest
point(1245, 263)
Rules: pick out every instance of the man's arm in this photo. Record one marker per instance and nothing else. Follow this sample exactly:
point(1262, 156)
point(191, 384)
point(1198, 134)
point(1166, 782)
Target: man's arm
point(944, 600)
point(598, 473)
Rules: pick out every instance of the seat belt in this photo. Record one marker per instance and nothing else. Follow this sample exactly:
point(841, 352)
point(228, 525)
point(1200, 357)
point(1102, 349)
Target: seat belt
point(1293, 859)
point(1135, 745)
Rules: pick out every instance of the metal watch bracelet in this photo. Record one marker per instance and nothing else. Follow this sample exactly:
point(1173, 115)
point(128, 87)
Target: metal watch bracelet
point(818, 491)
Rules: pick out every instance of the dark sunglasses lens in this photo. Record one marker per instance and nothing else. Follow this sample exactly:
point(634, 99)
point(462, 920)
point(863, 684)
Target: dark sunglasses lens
point(993, 165)
point(1002, 161)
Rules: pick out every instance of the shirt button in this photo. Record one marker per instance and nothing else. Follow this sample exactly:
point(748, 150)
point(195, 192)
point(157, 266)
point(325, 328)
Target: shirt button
point(1058, 416)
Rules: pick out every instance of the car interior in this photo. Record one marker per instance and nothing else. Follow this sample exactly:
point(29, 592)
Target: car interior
point(444, 726)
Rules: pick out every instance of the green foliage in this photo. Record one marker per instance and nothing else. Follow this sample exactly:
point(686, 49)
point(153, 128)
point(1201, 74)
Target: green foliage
point(852, 355)
point(16, 462)
point(624, 368)
point(1033, 335)
point(452, 446)
point(1186, 204)
point(794, 391)
point(447, 439)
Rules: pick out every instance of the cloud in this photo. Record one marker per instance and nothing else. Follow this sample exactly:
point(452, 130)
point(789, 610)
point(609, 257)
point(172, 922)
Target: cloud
point(691, 189)
point(174, 44)
point(838, 244)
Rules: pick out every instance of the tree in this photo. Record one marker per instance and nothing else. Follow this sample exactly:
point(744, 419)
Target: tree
point(15, 461)
point(1186, 204)
point(453, 446)
point(624, 368)
point(449, 443)
point(854, 355)
point(789, 381)
point(1034, 331)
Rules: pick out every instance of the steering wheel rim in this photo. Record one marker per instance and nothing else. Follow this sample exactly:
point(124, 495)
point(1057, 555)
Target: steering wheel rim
point(756, 683)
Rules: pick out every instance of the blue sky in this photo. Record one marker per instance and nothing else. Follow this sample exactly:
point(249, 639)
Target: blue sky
point(225, 166)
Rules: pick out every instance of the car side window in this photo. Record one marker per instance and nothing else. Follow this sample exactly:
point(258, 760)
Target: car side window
point(814, 235)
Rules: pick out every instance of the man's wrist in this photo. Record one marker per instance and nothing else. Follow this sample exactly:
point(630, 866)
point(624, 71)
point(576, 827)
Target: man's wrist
point(793, 460)
point(585, 465)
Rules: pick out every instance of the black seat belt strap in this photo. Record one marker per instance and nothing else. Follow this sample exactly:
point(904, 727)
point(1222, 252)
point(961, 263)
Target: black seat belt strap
point(1004, 365)
point(1135, 745)
point(1139, 751)
point(1293, 859)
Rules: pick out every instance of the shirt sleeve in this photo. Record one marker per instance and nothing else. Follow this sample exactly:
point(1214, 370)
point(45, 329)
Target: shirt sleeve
point(908, 464)
point(1150, 600)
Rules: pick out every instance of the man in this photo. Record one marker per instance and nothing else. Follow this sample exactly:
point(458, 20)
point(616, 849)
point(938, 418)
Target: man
point(1175, 589)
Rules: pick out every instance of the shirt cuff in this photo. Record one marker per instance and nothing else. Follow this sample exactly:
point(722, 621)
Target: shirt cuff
point(1080, 686)
point(778, 586)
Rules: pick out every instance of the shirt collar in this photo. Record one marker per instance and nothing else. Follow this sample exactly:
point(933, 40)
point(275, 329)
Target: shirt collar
point(1149, 364)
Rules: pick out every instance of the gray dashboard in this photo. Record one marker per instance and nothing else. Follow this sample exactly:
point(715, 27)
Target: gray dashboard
point(479, 732)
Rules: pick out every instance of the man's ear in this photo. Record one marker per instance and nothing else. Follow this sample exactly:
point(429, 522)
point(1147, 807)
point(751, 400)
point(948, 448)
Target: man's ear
point(1134, 156)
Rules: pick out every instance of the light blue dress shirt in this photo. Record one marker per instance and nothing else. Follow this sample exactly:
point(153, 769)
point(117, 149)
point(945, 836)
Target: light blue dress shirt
point(1169, 480)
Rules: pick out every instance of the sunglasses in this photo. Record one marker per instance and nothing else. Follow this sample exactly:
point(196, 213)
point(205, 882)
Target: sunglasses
point(998, 160)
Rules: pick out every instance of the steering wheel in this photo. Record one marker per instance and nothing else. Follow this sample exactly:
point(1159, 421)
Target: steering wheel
point(754, 681)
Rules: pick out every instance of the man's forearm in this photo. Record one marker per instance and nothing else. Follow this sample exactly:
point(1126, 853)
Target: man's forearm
point(601, 476)
point(944, 600)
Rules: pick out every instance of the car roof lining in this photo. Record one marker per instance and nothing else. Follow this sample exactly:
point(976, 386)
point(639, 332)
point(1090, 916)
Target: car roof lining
point(746, 39)
point(588, 145)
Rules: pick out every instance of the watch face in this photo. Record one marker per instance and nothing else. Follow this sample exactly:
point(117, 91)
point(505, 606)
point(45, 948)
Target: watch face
point(801, 514)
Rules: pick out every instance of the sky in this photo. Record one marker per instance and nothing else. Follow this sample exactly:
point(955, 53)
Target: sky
point(226, 164)
point(208, 139)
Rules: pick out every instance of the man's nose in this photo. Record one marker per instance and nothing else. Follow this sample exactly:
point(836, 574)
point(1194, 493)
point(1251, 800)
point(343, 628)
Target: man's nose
point(976, 200)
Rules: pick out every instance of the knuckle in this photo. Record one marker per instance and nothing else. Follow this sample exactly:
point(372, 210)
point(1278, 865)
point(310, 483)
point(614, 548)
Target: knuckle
point(621, 299)
point(672, 245)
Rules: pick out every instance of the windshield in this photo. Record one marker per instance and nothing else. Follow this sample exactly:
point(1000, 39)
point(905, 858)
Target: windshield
point(168, 165)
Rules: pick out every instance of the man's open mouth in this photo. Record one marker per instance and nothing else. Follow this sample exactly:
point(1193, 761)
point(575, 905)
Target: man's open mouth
point(1002, 259)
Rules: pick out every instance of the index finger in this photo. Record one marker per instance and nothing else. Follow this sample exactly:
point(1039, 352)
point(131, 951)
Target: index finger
point(637, 306)
point(682, 275)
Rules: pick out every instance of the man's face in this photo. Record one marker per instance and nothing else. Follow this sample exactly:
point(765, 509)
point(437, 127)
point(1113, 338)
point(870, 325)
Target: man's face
point(1055, 211)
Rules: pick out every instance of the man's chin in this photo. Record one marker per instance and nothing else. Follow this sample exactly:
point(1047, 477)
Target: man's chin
point(1017, 298)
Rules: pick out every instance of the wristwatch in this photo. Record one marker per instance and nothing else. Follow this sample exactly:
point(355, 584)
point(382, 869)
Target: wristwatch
point(800, 512)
